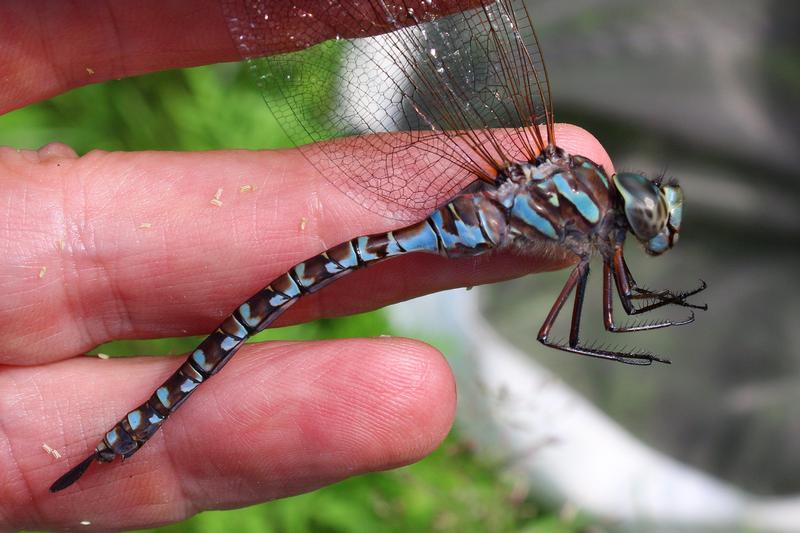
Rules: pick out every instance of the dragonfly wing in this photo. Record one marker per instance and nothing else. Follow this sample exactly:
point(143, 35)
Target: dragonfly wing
point(416, 113)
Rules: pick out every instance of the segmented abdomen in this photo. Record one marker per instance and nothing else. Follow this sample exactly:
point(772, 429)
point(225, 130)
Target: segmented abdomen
point(468, 225)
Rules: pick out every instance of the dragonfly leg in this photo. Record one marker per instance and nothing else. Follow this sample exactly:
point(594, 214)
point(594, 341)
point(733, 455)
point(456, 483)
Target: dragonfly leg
point(577, 308)
point(577, 282)
point(641, 293)
point(629, 291)
point(609, 275)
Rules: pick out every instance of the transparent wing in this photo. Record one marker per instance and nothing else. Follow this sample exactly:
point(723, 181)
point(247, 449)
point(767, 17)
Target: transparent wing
point(414, 114)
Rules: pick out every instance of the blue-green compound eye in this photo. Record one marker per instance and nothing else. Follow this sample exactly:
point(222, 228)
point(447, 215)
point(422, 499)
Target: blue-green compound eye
point(658, 244)
point(653, 213)
point(645, 208)
point(674, 197)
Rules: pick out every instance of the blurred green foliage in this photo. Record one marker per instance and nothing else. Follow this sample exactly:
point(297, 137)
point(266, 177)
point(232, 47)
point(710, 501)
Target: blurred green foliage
point(217, 107)
point(448, 491)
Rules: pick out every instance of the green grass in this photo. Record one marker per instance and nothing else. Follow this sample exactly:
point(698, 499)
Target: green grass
point(218, 107)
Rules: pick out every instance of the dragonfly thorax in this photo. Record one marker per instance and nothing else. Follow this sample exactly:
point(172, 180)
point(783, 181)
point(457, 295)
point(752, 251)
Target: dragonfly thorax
point(561, 199)
point(653, 210)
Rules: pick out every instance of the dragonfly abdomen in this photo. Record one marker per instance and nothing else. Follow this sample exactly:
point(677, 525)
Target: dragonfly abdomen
point(468, 225)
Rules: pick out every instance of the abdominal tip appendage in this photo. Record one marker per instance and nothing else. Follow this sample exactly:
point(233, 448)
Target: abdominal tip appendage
point(72, 476)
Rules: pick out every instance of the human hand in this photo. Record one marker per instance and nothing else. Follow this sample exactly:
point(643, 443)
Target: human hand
point(281, 419)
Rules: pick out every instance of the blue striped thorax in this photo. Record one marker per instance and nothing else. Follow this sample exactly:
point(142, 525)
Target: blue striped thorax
point(557, 198)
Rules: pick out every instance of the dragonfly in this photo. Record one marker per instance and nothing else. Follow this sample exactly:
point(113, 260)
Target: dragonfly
point(399, 103)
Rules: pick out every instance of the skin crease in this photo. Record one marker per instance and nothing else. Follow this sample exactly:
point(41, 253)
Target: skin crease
point(295, 416)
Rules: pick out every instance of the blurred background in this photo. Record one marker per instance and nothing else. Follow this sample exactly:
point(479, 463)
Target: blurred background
point(706, 92)
point(709, 93)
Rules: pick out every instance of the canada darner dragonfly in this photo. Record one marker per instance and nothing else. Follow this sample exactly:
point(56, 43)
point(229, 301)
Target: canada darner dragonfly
point(418, 100)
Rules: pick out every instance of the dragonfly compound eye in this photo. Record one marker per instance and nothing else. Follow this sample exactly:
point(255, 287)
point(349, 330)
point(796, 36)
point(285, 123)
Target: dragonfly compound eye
point(648, 210)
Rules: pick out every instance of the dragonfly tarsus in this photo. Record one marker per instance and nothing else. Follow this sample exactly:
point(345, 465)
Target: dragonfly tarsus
point(609, 276)
point(666, 297)
point(632, 357)
point(629, 290)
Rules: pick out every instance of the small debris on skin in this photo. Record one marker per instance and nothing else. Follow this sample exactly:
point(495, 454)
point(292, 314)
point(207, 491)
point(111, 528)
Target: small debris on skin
point(145, 225)
point(303, 223)
point(101, 355)
point(90, 71)
point(51, 451)
point(246, 188)
point(42, 272)
point(217, 198)
point(85, 523)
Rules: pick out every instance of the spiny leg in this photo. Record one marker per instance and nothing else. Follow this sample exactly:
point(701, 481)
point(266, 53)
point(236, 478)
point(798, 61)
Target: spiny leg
point(665, 296)
point(577, 279)
point(629, 291)
point(608, 307)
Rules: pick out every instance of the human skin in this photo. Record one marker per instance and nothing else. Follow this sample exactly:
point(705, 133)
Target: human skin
point(282, 418)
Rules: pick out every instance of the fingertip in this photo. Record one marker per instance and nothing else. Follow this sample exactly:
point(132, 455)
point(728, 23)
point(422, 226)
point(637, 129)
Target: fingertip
point(426, 408)
point(318, 412)
point(578, 141)
point(393, 399)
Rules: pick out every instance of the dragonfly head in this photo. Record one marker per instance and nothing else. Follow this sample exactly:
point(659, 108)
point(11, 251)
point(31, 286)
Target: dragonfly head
point(653, 210)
